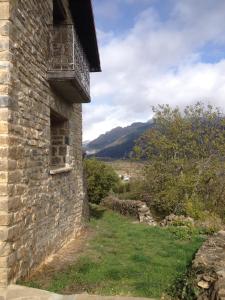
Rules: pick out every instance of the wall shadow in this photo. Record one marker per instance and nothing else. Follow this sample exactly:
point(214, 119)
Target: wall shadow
point(96, 211)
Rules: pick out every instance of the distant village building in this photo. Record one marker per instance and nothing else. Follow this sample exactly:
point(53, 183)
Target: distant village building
point(124, 177)
point(47, 49)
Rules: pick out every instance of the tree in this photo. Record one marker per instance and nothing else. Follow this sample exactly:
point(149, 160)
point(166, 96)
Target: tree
point(185, 152)
point(101, 178)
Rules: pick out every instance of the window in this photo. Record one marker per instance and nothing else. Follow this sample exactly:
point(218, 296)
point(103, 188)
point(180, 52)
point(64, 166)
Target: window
point(59, 153)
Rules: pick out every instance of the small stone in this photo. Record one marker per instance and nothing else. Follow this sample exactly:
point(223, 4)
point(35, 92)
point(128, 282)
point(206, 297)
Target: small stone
point(208, 278)
point(221, 273)
point(203, 284)
point(143, 209)
point(221, 232)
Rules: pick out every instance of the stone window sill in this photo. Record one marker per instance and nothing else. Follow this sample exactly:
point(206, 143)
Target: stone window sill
point(60, 170)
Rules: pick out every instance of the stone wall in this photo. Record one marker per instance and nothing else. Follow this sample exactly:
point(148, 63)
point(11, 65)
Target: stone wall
point(39, 212)
point(132, 208)
point(209, 268)
point(6, 164)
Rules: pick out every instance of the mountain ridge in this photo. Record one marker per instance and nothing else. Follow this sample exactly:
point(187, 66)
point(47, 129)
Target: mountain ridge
point(118, 142)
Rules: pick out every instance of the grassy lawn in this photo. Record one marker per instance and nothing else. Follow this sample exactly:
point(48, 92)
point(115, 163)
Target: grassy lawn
point(126, 259)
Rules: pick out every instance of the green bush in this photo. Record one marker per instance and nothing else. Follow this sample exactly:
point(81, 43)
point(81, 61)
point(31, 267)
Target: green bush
point(130, 190)
point(183, 232)
point(185, 161)
point(101, 179)
point(122, 187)
point(209, 222)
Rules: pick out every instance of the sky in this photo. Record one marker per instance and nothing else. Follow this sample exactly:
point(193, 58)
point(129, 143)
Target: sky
point(155, 52)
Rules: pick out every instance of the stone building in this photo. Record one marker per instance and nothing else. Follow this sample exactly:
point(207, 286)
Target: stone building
point(47, 49)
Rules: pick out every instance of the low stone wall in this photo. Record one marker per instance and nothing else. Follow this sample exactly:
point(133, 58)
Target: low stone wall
point(174, 220)
point(137, 209)
point(209, 267)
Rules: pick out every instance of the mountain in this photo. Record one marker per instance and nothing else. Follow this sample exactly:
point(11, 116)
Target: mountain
point(85, 143)
point(117, 143)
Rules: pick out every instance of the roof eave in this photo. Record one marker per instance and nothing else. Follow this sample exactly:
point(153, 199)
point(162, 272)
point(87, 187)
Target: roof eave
point(83, 16)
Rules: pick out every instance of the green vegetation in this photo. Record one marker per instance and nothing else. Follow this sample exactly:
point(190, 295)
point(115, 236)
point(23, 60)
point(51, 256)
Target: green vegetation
point(101, 179)
point(132, 190)
point(124, 258)
point(185, 162)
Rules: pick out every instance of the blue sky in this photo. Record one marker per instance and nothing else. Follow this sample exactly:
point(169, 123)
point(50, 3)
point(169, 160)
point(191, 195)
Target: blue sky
point(154, 52)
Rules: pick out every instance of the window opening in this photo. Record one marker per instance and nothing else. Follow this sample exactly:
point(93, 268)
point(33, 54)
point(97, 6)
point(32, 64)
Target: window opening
point(59, 140)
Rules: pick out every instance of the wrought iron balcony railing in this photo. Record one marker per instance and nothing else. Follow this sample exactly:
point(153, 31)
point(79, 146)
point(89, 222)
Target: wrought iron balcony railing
point(66, 56)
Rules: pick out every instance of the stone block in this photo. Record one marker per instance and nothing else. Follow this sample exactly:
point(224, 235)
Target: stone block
point(13, 232)
point(4, 113)
point(5, 249)
point(4, 141)
point(3, 153)
point(4, 78)
point(12, 164)
point(3, 189)
point(5, 55)
point(14, 176)
point(3, 262)
point(4, 10)
point(5, 219)
point(4, 44)
point(4, 28)
point(3, 204)
point(4, 276)
point(3, 177)
point(5, 101)
point(3, 126)
point(3, 233)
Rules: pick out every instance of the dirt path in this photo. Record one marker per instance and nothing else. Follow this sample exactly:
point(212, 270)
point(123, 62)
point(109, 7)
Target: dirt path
point(64, 258)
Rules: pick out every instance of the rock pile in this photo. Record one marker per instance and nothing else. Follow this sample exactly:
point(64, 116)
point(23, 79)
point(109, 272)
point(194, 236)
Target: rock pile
point(137, 209)
point(145, 215)
point(209, 267)
point(174, 220)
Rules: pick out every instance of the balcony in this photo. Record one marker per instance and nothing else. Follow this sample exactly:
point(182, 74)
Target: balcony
point(68, 71)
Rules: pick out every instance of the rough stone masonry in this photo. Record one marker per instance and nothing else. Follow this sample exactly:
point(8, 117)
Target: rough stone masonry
point(40, 205)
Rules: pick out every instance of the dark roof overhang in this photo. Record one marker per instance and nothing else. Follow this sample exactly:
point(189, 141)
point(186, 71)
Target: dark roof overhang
point(59, 12)
point(82, 13)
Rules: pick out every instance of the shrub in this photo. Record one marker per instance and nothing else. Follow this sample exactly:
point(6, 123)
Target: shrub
point(209, 222)
point(122, 187)
point(132, 190)
point(185, 157)
point(183, 232)
point(101, 179)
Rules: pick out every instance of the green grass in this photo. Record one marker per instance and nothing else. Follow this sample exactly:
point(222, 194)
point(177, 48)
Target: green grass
point(126, 259)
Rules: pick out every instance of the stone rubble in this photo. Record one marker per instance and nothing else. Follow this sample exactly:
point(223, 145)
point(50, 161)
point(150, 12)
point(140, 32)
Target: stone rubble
point(137, 209)
point(177, 220)
point(145, 215)
point(209, 267)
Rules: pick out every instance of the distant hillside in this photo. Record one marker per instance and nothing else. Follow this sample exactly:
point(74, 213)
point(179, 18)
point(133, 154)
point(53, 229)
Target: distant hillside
point(118, 142)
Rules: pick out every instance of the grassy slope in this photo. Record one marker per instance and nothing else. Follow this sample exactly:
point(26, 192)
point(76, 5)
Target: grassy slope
point(126, 259)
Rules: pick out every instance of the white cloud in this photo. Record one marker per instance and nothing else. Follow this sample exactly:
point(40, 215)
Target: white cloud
point(107, 9)
point(157, 62)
